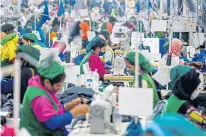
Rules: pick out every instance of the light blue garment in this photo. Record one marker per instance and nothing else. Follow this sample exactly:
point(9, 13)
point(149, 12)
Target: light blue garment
point(173, 125)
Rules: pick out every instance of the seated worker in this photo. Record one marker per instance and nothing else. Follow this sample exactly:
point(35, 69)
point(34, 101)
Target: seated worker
point(27, 71)
point(108, 25)
point(185, 90)
point(145, 68)
point(176, 46)
point(85, 27)
point(8, 48)
point(42, 113)
point(94, 60)
point(29, 39)
point(53, 32)
point(5, 30)
point(95, 41)
point(176, 73)
point(105, 35)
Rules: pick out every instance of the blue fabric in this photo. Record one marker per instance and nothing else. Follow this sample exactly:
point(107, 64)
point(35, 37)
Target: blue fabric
point(59, 121)
point(137, 7)
point(61, 9)
point(7, 86)
point(65, 132)
point(134, 129)
point(149, 4)
point(44, 17)
point(108, 63)
point(25, 30)
point(71, 2)
point(62, 56)
point(173, 125)
point(77, 60)
point(161, 48)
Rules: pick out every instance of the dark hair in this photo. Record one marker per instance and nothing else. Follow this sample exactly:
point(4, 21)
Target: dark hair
point(99, 44)
point(57, 79)
point(55, 22)
point(7, 28)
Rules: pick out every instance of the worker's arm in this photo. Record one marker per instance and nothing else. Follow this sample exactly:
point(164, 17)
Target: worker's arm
point(47, 114)
point(193, 113)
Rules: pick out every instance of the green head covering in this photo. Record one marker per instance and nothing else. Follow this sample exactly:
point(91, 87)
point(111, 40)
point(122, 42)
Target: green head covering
point(34, 53)
point(50, 68)
point(31, 36)
point(143, 61)
point(176, 73)
point(8, 38)
point(93, 42)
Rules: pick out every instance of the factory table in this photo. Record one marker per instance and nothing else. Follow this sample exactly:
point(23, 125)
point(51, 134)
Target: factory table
point(86, 131)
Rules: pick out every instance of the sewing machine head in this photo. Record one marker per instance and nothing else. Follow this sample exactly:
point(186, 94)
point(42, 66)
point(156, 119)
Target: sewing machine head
point(119, 66)
point(118, 33)
point(100, 116)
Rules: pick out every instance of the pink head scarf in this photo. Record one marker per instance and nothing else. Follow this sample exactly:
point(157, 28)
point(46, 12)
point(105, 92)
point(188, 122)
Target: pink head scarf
point(176, 46)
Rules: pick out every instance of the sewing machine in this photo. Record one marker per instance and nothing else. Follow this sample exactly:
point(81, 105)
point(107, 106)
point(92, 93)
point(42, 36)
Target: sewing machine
point(119, 66)
point(121, 52)
point(119, 33)
point(101, 112)
point(188, 52)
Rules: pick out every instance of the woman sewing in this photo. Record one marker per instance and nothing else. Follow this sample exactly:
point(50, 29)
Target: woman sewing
point(96, 48)
point(176, 46)
point(42, 114)
point(185, 90)
point(106, 36)
point(145, 68)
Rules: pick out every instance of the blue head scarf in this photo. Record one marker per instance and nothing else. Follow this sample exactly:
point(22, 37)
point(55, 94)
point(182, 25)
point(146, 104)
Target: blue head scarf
point(93, 42)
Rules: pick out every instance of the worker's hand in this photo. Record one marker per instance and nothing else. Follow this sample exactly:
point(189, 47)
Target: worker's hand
point(79, 101)
point(70, 105)
point(80, 110)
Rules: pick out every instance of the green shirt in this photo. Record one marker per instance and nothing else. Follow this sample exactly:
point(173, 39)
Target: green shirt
point(174, 104)
point(29, 119)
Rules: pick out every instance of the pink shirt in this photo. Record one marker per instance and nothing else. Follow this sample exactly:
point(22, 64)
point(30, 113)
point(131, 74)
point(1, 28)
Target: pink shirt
point(96, 63)
point(42, 107)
